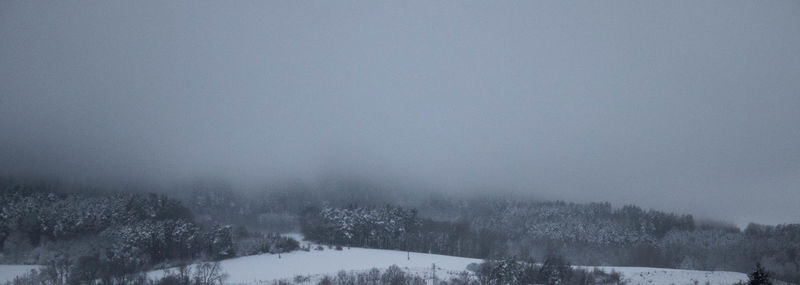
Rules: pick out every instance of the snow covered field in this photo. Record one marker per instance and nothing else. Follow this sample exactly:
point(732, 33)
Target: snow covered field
point(264, 268)
point(259, 269)
point(659, 276)
point(8, 272)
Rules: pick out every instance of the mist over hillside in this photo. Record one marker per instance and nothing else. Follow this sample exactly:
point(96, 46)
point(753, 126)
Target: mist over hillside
point(149, 135)
point(667, 105)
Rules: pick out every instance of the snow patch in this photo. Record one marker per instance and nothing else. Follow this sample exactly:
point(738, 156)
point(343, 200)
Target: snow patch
point(267, 267)
point(264, 268)
point(9, 272)
point(665, 276)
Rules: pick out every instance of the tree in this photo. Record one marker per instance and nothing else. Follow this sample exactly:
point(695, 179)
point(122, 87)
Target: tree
point(393, 276)
point(220, 242)
point(4, 231)
point(86, 268)
point(555, 270)
point(209, 273)
point(759, 276)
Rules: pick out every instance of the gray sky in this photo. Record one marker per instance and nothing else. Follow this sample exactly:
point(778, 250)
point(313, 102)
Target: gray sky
point(692, 106)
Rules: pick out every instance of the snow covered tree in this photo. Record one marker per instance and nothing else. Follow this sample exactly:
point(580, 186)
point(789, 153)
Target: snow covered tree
point(555, 270)
point(220, 242)
point(209, 273)
point(759, 276)
point(393, 275)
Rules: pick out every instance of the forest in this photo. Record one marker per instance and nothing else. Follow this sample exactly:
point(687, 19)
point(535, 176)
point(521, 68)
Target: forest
point(90, 234)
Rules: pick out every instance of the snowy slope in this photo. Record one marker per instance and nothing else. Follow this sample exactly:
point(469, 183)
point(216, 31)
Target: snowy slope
point(267, 267)
point(8, 272)
point(657, 276)
point(264, 268)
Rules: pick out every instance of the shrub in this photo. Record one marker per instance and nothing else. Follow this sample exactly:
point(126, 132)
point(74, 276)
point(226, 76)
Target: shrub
point(759, 276)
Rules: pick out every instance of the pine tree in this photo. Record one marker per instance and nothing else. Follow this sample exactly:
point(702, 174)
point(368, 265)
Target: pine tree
point(221, 242)
point(759, 276)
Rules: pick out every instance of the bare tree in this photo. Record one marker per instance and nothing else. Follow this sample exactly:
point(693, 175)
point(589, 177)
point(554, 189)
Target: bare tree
point(209, 273)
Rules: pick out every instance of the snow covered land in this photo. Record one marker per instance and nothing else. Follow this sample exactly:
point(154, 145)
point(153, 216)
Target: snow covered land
point(265, 268)
point(658, 276)
point(8, 272)
point(262, 268)
point(312, 265)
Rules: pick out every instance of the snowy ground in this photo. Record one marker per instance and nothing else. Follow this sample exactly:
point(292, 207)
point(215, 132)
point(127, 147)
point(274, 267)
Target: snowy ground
point(659, 276)
point(8, 272)
point(267, 267)
point(262, 269)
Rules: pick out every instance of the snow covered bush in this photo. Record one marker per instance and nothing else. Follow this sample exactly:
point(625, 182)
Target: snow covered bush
point(257, 243)
point(553, 271)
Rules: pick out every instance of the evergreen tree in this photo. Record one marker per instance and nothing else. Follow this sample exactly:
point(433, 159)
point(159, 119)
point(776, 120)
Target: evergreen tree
point(221, 242)
point(759, 276)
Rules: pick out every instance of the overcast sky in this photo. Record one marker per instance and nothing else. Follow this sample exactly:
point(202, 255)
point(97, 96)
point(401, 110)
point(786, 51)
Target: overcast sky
point(691, 106)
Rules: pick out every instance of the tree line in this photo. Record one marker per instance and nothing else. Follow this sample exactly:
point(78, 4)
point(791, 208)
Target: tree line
point(390, 227)
point(82, 236)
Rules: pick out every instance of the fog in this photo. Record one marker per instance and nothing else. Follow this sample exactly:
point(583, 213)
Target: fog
point(689, 106)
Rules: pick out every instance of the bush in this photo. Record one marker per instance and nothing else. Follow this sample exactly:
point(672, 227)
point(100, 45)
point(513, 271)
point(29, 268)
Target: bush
point(326, 280)
point(301, 279)
point(554, 270)
point(209, 273)
point(266, 243)
point(393, 276)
